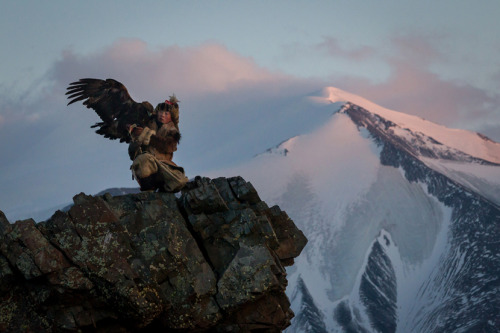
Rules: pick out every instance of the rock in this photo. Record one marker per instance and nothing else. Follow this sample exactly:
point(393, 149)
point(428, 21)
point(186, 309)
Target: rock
point(209, 260)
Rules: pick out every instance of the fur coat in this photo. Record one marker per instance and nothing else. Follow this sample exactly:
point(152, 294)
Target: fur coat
point(157, 139)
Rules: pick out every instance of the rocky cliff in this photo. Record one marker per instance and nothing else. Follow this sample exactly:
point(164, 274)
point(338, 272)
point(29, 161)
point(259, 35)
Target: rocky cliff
point(211, 259)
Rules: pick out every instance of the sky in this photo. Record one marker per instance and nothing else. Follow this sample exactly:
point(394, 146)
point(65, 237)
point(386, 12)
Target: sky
point(243, 71)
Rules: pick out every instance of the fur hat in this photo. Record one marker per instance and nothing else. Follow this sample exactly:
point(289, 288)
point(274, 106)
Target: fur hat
point(171, 105)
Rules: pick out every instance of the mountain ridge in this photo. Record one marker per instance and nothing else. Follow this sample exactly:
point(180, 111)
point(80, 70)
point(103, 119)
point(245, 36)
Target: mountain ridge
point(367, 173)
point(462, 140)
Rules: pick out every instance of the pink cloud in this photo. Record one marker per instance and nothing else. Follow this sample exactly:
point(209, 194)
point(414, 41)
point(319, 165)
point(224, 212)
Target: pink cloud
point(11, 111)
point(210, 73)
point(418, 50)
point(413, 88)
point(205, 69)
point(225, 97)
point(417, 91)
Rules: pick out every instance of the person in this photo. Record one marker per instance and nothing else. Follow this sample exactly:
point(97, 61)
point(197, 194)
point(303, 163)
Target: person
point(152, 149)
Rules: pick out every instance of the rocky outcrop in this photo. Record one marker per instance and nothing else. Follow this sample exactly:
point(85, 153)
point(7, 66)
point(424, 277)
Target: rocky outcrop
point(211, 259)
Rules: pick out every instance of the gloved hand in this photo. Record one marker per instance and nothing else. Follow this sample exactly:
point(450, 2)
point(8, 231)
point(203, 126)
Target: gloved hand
point(137, 131)
point(134, 130)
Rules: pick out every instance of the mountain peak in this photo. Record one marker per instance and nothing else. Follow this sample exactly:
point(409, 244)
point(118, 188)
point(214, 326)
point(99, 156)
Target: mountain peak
point(445, 142)
point(401, 216)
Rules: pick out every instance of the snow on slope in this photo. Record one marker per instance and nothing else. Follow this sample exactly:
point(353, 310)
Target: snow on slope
point(332, 183)
point(483, 179)
point(337, 162)
point(468, 142)
point(316, 182)
point(451, 147)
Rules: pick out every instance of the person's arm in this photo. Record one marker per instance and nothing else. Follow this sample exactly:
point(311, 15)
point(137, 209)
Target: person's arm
point(140, 137)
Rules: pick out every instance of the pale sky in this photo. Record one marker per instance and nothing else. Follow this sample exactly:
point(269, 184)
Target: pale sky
point(240, 68)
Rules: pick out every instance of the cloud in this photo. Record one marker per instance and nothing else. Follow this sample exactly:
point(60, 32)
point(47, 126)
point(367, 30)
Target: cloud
point(219, 89)
point(227, 102)
point(417, 91)
point(417, 49)
point(205, 69)
point(491, 131)
point(496, 80)
point(412, 87)
point(332, 47)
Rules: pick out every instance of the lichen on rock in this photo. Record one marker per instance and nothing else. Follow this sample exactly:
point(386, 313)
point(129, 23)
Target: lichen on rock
point(211, 259)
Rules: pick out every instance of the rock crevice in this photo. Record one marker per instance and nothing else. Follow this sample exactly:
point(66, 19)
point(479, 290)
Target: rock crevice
point(211, 259)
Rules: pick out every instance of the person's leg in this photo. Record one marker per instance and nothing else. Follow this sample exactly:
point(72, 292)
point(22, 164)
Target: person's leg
point(145, 169)
point(172, 178)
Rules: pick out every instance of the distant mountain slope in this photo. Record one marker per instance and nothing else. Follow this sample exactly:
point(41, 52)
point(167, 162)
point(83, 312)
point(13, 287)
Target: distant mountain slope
point(402, 217)
point(44, 214)
point(114, 191)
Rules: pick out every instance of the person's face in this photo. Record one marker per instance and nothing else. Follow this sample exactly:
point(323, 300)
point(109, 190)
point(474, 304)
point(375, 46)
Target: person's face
point(164, 117)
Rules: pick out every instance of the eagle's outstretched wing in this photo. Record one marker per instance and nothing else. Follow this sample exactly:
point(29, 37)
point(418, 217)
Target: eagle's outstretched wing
point(113, 104)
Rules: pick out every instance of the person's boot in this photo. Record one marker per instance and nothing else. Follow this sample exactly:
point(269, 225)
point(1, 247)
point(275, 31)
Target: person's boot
point(148, 183)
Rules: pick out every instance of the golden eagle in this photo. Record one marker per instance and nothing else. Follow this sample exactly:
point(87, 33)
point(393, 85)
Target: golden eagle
point(113, 104)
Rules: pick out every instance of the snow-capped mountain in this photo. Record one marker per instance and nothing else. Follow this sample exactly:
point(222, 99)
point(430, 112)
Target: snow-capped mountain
point(402, 217)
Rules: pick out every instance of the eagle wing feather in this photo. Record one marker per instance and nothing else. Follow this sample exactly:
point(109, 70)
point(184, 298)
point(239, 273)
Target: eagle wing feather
point(112, 103)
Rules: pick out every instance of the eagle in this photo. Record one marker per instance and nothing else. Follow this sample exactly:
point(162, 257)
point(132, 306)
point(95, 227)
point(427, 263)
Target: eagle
point(113, 104)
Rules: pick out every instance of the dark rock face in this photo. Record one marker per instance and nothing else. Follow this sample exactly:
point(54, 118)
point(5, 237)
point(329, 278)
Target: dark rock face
point(211, 260)
point(310, 318)
point(378, 290)
point(464, 286)
point(382, 131)
point(347, 320)
point(469, 282)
